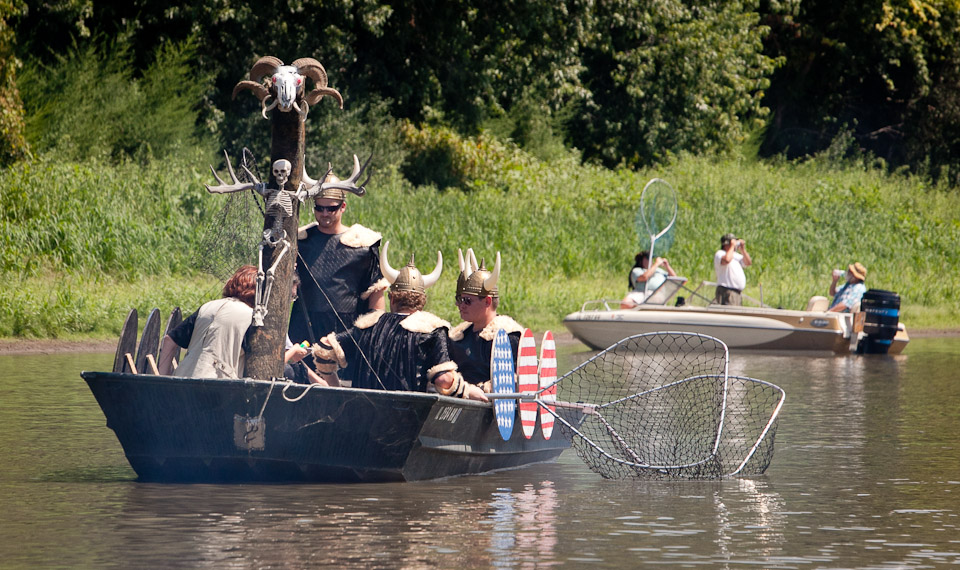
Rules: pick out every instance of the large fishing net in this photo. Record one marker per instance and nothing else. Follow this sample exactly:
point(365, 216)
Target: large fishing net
point(670, 410)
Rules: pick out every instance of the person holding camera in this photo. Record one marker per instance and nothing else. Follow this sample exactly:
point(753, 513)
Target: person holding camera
point(728, 264)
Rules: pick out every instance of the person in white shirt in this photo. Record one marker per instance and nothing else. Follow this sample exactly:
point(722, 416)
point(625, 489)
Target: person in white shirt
point(728, 263)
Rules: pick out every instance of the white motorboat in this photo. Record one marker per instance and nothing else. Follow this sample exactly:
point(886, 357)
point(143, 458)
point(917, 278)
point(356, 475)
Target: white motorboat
point(602, 322)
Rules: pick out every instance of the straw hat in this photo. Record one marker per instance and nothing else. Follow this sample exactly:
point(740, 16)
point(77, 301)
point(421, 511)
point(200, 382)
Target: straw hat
point(858, 270)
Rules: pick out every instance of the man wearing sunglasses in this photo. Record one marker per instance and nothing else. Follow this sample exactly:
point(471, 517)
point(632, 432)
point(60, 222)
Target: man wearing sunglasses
point(339, 270)
point(477, 298)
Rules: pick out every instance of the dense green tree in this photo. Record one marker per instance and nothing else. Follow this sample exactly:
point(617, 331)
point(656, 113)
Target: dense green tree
point(644, 80)
point(886, 71)
point(89, 104)
point(670, 75)
point(13, 146)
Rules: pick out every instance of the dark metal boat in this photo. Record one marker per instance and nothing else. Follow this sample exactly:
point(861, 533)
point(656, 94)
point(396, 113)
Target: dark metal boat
point(217, 430)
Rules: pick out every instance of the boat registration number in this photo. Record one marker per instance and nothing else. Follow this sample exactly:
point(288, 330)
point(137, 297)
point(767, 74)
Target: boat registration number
point(449, 414)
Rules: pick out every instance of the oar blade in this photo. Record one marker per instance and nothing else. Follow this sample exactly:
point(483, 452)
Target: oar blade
point(127, 343)
point(149, 341)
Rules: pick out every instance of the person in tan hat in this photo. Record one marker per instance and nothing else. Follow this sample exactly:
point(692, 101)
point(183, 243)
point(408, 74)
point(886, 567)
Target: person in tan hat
point(848, 297)
point(477, 299)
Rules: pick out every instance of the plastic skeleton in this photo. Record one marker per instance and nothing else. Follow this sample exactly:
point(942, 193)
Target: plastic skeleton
point(279, 207)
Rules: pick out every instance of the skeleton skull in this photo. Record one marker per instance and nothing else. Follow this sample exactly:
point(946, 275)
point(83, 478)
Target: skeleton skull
point(281, 171)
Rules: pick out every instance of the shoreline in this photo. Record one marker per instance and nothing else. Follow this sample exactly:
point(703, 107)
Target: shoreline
point(14, 346)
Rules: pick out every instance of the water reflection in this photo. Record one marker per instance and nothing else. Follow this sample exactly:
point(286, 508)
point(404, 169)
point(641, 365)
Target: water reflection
point(397, 526)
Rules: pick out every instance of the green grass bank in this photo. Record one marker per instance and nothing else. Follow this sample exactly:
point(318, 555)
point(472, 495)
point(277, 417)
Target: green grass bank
point(82, 243)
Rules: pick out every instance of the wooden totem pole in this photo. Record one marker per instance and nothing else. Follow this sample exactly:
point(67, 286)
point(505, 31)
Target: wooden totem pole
point(284, 95)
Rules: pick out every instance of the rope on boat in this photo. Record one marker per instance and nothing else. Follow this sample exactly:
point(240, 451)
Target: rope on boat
point(292, 383)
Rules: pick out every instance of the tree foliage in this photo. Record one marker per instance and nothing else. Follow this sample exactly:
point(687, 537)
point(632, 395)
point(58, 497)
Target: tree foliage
point(88, 103)
point(13, 146)
point(668, 76)
point(626, 83)
point(887, 71)
point(461, 64)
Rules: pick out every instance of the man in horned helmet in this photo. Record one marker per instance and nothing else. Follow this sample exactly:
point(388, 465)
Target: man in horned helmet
point(477, 298)
point(339, 270)
point(405, 349)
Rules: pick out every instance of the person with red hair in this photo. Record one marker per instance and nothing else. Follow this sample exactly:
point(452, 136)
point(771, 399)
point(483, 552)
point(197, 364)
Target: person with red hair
point(216, 343)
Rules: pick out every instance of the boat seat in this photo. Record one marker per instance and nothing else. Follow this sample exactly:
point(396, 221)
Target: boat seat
point(818, 303)
point(665, 291)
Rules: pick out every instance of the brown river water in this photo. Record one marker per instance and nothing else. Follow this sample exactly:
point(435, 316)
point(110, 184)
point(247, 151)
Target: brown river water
point(866, 474)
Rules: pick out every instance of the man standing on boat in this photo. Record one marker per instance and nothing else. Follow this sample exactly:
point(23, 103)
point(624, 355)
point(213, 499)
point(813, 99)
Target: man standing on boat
point(339, 270)
point(728, 264)
point(477, 298)
point(405, 349)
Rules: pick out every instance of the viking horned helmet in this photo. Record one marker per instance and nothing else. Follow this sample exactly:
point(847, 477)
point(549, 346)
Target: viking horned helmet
point(474, 278)
point(409, 277)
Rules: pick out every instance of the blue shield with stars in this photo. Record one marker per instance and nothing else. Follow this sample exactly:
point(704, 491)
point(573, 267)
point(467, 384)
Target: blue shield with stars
point(501, 370)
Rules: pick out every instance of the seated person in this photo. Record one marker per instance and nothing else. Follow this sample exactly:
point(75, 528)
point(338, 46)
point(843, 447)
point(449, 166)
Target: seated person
point(405, 349)
point(848, 297)
point(471, 342)
point(644, 279)
point(294, 369)
point(215, 348)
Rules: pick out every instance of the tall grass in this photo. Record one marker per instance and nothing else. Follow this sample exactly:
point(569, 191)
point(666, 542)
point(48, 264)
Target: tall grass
point(81, 244)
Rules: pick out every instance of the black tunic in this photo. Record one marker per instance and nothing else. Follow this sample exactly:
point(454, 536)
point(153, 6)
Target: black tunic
point(399, 357)
point(343, 272)
point(472, 354)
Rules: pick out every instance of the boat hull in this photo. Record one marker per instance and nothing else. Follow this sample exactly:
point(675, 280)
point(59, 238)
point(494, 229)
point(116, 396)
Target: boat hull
point(739, 327)
point(211, 430)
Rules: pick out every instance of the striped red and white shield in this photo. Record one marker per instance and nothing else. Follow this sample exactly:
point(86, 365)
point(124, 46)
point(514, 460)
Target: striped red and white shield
point(548, 377)
point(527, 380)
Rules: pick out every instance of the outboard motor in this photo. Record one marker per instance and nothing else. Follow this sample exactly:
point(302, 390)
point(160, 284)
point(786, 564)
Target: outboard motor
point(882, 316)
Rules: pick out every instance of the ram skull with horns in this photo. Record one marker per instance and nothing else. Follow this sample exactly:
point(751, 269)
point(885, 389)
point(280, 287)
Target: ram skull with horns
point(285, 88)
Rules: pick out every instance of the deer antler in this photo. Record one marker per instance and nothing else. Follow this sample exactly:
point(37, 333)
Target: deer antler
point(350, 184)
point(237, 186)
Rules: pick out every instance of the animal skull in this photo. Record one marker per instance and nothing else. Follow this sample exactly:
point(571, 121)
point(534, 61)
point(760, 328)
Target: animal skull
point(281, 171)
point(287, 82)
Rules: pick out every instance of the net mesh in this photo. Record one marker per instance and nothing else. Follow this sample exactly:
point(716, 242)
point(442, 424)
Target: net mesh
point(657, 212)
point(661, 405)
point(231, 238)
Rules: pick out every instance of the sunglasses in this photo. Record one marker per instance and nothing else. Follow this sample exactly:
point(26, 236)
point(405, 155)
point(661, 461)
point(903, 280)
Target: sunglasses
point(465, 301)
point(327, 209)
